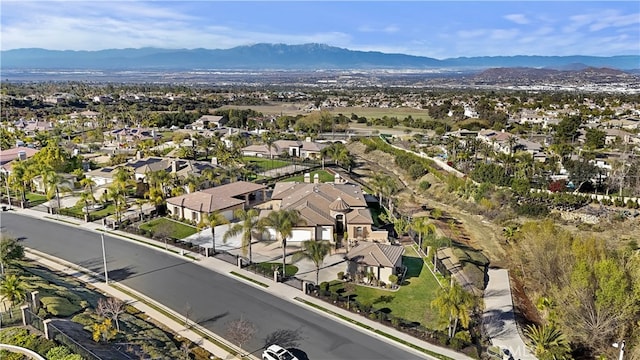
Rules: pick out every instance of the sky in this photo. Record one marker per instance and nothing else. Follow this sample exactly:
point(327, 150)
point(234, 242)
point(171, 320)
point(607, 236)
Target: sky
point(437, 29)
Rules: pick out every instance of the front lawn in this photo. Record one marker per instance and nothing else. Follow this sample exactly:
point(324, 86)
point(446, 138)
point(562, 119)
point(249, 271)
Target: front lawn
point(411, 302)
point(177, 230)
point(79, 211)
point(270, 267)
point(323, 176)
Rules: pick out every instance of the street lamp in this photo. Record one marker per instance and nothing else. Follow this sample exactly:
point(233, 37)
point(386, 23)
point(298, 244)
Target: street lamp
point(621, 347)
point(104, 258)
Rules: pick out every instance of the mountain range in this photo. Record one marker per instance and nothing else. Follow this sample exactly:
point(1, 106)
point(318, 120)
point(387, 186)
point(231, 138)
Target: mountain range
point(288, 57)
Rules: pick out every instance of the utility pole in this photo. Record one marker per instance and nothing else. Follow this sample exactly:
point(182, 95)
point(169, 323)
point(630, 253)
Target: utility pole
point(104, 258)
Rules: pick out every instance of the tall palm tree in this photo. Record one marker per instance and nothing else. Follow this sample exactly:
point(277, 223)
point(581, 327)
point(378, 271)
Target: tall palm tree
point(248, 221)
point(548, 342)
point(214, 219)
point(315, 251)
point(282, 222)
point(13, 290)
point(454, 304)
point(422, 226)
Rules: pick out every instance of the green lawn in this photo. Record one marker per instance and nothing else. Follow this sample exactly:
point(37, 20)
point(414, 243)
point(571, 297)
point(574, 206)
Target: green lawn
point(268, 267)
point(265, 164)
point(323, 176)
point(411, 302)
point(178, 229)
point(79, 210)
point(36, 198)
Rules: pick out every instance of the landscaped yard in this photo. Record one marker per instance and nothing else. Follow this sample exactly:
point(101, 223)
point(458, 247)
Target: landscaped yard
point(265, 164)
point(177, 230)
point(323, 176)
point(411, 302)
point(79, 211)
point(269, 267)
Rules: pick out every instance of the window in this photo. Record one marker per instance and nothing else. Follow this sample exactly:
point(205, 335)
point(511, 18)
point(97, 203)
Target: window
point(359, 232)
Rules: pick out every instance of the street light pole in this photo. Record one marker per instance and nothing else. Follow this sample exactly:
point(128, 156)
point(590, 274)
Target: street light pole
point(104, 259)
point(621, 347)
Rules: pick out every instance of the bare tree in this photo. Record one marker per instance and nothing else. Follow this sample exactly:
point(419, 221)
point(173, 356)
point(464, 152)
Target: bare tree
point(240, 331)
point(111, 308)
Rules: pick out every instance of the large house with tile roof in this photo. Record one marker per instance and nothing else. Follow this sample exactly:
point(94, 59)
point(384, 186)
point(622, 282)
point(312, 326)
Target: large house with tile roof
point(293, 148)
point(381, 260)
point(224, 199)
point(329, 211)
point(19, 153)
point(142, 166)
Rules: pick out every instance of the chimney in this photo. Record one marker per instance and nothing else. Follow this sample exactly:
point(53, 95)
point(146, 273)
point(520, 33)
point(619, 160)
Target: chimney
point(174, 166)
point(307, 177)
point(308, 139)
point(336, 179)
point(22, 155)
point(214, 161)
point(138, 154)
point(316, 178)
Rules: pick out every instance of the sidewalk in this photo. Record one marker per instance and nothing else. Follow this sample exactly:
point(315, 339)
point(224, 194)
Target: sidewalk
point(281, 290)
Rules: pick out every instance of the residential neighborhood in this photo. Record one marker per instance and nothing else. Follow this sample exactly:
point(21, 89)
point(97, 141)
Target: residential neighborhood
point(341, 204)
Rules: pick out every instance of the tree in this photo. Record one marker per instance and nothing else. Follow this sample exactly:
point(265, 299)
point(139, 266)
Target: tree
point(13, 290)
point(10, 251)
point(104, 331)
point(547, 341)
point(315, 251)
point(111, 308)
point(595, 139)
point(423, 227)
point(248, 221)
point(454, 304)
point(282, 222)
point(214, 219)
point(240, 331)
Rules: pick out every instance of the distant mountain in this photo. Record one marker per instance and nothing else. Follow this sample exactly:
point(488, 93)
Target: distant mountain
point(286, 57)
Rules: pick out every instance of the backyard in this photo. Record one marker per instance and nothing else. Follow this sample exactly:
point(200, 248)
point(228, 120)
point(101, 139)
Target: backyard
point(264, 164)
point(411, 302)
point(323, 176)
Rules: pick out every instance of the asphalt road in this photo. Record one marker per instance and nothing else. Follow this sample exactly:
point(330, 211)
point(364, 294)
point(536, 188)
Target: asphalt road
point(214, 299)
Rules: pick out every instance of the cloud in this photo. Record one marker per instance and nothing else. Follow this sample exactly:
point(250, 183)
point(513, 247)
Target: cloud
point(386, 29)
point(517, 18)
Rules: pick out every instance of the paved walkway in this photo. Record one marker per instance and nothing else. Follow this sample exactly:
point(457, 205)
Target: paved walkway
point(498, 317)
point(283, 291)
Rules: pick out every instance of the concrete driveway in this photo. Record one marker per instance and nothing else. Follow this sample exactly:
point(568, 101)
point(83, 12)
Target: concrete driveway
point(498, 317)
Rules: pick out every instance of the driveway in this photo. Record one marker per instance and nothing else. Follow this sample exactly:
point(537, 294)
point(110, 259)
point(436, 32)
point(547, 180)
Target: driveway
point(498, 318)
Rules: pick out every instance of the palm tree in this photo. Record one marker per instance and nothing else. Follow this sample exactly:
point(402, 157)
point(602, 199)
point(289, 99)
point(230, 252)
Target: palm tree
point(547, 341)
point(86, 198)
point(423, 227)
point(282, 222)
point(248, 221)
point(315, 251)
point(12, 289)
point(454, 304)
point(214, 219)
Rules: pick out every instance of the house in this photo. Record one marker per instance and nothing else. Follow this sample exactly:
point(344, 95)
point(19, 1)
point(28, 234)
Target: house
point(66, 183)
point(293, 148)
point(383, 260)
point(19, 153)
point(335, 211)
point(128, 136)
point(499, 140)
point(206, 122)
point(224, 198)
point(612, 135)
point(142, 166)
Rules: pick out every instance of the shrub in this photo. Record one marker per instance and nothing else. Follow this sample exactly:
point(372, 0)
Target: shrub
point(393, 279)
point(424, 185)
point(59, 306)
point(340, 275)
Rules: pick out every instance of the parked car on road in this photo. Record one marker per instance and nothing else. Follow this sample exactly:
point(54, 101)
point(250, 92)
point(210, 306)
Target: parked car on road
point(276, 352)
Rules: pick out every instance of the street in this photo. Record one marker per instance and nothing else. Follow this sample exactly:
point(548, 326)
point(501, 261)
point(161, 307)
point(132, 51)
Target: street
point(210, 298)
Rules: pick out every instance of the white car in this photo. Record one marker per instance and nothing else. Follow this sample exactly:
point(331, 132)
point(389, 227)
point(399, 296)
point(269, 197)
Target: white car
point(275, 352)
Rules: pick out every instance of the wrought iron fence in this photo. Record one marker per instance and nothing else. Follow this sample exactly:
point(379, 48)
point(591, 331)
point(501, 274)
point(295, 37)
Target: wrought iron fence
point(74, 346)
point(34, 320)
